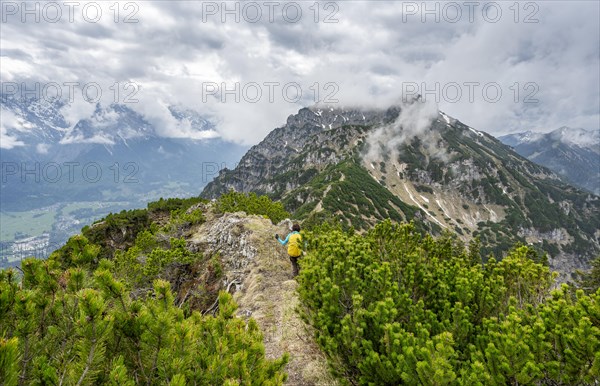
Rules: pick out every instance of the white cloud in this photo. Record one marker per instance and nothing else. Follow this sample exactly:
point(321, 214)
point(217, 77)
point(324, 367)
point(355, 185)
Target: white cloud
point(7, 141)
point(42, 148)
point(414, 120)
point(370, 55)
point(77, 110)
point(9, 122)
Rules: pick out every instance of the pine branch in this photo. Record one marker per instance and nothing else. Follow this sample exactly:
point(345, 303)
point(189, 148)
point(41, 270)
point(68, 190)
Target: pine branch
point(215, 305)
point(155, 360)
point(24, 362)
point(90, 357)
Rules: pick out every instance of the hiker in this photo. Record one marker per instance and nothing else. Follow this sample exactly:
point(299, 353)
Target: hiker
point(293, 239)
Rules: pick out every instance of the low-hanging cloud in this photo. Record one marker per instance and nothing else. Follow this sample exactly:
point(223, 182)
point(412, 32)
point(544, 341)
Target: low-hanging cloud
point(414, 120)
point(8, 123)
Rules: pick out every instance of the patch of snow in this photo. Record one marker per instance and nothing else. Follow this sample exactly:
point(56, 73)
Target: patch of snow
point(479, 133)
point(421, 207)
point(443, 208)
point(123, 139)
point(446, 118)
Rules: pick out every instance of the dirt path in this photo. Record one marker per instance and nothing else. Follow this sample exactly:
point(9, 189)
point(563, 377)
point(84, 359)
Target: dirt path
point(266, 291)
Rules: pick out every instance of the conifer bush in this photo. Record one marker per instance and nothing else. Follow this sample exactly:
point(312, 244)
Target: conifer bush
point(80, 319)
point(394, 307)
point(251, 203)
point(75, 327)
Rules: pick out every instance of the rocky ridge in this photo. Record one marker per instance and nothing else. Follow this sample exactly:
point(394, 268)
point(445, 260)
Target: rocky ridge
point(257, 272)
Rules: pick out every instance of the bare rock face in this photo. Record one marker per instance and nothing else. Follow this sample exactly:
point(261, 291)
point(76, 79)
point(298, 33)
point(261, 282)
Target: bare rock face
point(227, 237)
point(566, 265)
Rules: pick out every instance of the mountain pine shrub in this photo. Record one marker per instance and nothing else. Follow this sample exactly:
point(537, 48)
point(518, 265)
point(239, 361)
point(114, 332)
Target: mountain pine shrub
point(78, 327)
point(394, 307)
point(79, 318)
point(251, 203)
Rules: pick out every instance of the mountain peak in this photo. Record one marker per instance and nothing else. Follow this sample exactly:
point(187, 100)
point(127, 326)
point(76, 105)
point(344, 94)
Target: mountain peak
point(357, 166)
point(328, 117)
point(572, 153)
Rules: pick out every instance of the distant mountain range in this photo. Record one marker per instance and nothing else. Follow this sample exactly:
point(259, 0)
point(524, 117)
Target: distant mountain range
point(410, 163)
point(112, 160)
point(115, 151)
point(572, 153)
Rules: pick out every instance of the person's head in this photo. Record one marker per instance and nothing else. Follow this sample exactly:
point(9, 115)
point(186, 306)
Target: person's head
point(296, 227)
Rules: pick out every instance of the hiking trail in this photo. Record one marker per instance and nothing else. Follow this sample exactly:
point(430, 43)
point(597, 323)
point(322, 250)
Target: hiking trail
point(258, 272)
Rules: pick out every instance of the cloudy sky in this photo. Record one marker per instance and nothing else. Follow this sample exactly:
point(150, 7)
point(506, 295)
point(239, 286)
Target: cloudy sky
point(498, 66)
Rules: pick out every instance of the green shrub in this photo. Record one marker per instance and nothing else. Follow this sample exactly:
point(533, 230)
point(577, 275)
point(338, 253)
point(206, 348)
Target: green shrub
point(117, 231)
point(395, 307)
point(590, 281)
point(252, 204)
point(73, 327)
point(172, 204)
